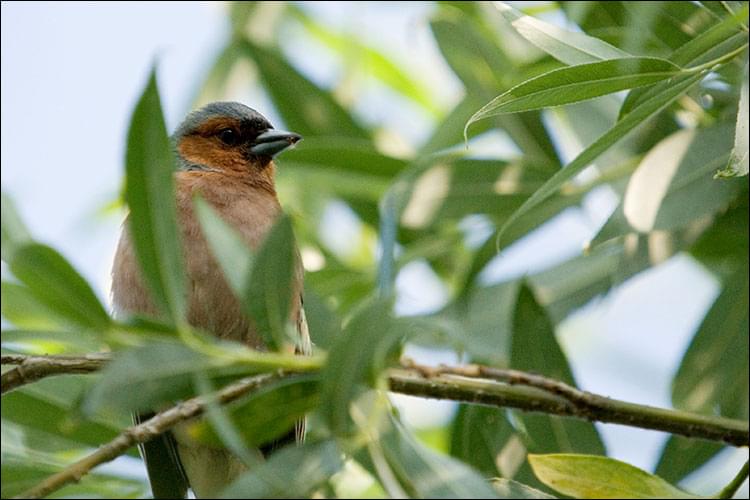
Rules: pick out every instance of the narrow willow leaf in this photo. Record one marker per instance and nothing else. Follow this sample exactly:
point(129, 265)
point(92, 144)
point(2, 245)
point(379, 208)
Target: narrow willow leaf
point(507, 488)
point(588, 155)
point(535, 349)
point(371, 61)
point(566, 46)
point(714, 370)
point(675, 172)
point(712, 44)
point(20, 307)
point(682, 456)
point(56, 285)
point(578, 83)
point(672, 185)
point(228, 247)
point(305, 108)
point(355, 358)
point(738, 162)
point(219, 425)
point(339, 155)
point(292, 472)
point(470, 49)
point(426, 474)
point(144, 377)
point(590, 476)
point(12, 229)
point(33, 410)
point(449, 131)
point(266, 414)
point(268, 293)
point(478, 436)
point(51, 341)
point(149, 192)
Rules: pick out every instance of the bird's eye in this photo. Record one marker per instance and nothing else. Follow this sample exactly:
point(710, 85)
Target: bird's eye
point(228, 137)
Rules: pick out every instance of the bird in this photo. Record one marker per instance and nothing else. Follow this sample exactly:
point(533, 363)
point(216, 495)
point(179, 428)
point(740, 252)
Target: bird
point(225, 153)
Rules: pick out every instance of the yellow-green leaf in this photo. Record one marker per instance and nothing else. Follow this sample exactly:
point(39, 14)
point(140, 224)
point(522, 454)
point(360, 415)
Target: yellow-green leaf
point(592, 476)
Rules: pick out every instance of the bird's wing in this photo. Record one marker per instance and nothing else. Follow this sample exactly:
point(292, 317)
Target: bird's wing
point(165, 472)
point(304, 347)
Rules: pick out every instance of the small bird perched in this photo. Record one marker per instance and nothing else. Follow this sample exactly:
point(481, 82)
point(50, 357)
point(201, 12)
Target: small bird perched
point(225, 152)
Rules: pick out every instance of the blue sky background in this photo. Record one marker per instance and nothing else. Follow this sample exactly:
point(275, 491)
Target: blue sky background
point(71, 73)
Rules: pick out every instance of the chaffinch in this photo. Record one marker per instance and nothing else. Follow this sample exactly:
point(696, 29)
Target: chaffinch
point(225, 152)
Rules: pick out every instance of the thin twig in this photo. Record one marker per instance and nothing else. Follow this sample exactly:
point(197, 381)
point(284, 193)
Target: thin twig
point(145, 431)
point(730, 489)
point(475, 384)
point(33, 368)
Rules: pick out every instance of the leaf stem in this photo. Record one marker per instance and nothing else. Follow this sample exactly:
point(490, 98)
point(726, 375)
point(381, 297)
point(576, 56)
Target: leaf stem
point(730, 489)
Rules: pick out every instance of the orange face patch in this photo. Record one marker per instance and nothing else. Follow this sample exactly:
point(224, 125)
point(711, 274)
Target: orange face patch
point(211, 152)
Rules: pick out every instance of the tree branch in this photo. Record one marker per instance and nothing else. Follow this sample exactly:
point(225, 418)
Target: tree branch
point(33, 368)
point(145, 431)
point(531, 392)
point(470, 384)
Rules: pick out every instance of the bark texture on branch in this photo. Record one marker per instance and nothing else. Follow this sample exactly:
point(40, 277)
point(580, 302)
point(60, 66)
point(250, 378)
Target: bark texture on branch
point(473, 384)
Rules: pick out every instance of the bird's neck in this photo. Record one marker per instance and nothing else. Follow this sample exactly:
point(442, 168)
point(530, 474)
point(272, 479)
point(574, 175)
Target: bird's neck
point(251, 176)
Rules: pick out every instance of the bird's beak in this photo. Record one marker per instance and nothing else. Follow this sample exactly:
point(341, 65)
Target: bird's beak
point(272, 142)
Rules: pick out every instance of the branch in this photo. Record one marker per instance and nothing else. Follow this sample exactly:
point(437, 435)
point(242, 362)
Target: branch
point(145, 431)
point(470, 384)
point(531, 392)
point(33, 368)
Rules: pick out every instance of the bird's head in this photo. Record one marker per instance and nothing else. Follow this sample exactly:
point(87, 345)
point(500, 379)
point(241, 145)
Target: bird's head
point(229, 136)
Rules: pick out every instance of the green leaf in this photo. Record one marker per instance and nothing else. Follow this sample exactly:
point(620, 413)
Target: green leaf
point(589, 476)
point(566, 46)
point(449, 130)
point(33, 410)
point(265, 414)
point(535, 349)
point(149, 192)
point(56, 285)
point(471, 50)
point(682, 456)
point(292, 472)
point(478, 436)
point(636, 117)
point(578, 83)
point(715, 42)
point(141, 378)
point(357, 356)
point(339, 155)
point(12, 229)
point(22, 471)
point(20, 307)
point(322, 321)
point(359, 56)
point(424, 473)
point(507, 488)
point(672, 186)
point(488, 321)
point(724, 246)
point(270, 290)
point(714, 370)
point(40, 341)
point(231, 252)
point(305, 108)
point(738, 161)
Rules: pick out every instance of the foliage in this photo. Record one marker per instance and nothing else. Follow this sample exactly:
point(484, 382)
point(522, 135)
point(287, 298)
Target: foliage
point(675, 161)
